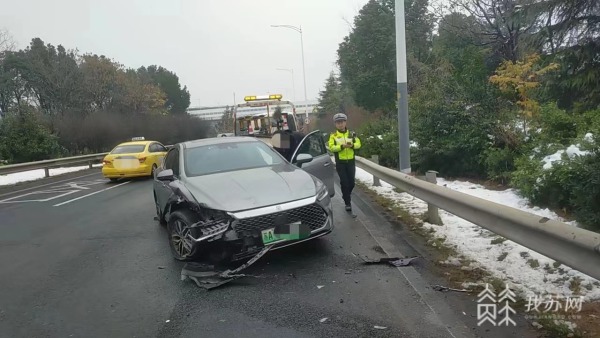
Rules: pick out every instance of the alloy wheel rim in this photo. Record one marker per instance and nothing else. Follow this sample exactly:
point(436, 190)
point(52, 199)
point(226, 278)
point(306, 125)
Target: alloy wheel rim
point(180, 239)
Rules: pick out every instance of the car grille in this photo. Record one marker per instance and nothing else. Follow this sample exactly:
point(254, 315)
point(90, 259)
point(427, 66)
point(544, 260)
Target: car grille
point(312, 215)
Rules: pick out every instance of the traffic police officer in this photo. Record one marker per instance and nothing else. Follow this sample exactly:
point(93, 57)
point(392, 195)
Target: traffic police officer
point(343, 143)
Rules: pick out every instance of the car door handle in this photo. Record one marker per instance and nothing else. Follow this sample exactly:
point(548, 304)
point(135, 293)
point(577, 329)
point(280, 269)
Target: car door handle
point(327, 164)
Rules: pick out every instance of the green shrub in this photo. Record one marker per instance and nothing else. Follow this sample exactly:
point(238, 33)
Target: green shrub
point(588, 122)
point(380, 137)
point(585, 191)
point(499, 163)
point(557, 126)
point(25, 138)
point(571, 184)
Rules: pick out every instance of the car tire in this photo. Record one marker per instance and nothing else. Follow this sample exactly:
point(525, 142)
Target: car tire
point(153, 170)
point(177, 228)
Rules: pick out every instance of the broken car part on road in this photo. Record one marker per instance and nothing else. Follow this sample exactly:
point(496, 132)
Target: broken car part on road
point(207, 277)
point(394, 261)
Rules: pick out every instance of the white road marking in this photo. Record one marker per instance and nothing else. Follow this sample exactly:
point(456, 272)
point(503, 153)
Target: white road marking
point(88, 195)
point(44, 185)
point(60, 191)
point(64, 193)
point(75, 185)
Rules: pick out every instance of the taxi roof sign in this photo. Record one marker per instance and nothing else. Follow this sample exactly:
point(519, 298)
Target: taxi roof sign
point(262, 98)
point(140, 138)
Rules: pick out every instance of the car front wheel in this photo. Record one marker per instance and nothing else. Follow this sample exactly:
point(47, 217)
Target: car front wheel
point(182, 246)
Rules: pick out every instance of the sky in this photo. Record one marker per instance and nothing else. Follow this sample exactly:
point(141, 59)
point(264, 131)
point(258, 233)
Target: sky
point(220, 49)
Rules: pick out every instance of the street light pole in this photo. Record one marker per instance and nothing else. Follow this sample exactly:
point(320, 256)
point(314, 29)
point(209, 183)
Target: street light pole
point(402, 90)
point(293, 81)
point(304, 71)
point(299, 30)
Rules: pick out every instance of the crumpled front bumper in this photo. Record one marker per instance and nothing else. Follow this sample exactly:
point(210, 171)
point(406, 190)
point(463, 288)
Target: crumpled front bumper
point(246, 226)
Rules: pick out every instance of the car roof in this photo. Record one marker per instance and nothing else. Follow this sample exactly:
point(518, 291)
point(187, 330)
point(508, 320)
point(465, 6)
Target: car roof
point(218, 140)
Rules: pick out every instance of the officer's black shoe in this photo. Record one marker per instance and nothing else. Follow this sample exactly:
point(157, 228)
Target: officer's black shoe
point(348, 207)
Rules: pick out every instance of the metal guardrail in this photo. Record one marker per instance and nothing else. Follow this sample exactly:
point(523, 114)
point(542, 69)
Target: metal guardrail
point(54, 163)
point(569, 245)
point(48, 164)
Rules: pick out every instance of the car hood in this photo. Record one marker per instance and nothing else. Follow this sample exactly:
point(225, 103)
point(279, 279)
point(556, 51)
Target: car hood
point(252, 188)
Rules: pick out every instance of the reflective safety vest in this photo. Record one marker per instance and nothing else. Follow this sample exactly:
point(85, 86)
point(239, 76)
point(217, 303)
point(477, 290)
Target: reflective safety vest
point(337, 138)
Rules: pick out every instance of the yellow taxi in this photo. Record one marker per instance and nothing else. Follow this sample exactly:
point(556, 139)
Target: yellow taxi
point(137, 158)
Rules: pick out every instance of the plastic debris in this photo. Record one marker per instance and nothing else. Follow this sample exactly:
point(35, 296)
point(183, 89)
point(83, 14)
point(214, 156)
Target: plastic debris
point(394, 261)
point(446, 289)
point(207, 277)
point(323, 320)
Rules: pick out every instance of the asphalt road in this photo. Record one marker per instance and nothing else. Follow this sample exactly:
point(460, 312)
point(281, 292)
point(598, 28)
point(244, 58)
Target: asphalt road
point(80, 257)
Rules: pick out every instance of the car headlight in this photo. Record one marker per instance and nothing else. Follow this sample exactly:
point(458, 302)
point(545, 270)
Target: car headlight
point(322, 191)
point(216, 215)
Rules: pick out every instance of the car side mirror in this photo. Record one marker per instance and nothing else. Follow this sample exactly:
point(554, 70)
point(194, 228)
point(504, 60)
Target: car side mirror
point(165, 175)
point(303, 158)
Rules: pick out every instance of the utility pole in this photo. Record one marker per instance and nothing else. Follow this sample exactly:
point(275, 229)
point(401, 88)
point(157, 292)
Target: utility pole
point(303, 71)
point(402, 88)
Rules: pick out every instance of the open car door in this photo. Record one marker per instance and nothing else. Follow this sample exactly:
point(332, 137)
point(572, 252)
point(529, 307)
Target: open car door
point(321, 166)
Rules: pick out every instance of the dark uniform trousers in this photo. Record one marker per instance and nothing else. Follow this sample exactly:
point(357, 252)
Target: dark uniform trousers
point(346, 170)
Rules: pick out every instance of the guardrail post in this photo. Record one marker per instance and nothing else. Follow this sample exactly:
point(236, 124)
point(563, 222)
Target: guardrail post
point(90, 164)
point(47, 172)
point(433, 215)
point(376, 182)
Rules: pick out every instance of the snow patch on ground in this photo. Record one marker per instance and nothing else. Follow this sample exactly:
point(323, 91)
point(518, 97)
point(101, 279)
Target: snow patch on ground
point(33, 175)
point(523, 269)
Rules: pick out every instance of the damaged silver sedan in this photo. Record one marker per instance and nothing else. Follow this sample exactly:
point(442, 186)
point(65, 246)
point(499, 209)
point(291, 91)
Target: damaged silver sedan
point(226, 199)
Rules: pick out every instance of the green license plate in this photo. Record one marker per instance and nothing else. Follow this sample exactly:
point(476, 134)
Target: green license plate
point(288, 232)
point(269, 236)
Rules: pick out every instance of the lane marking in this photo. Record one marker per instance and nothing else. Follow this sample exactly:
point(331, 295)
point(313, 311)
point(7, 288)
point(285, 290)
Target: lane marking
point(58, 190)
point(44, 185)
point(62, 193)
point(88, 195)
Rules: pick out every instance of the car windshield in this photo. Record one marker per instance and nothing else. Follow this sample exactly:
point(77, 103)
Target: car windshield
point(229, 156)
point(128, 149)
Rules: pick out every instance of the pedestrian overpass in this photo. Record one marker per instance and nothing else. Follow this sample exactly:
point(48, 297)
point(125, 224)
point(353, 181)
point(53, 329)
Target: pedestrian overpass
point(215, 113)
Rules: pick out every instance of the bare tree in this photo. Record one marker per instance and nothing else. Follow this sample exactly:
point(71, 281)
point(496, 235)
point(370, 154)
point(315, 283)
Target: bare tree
point(7, 43)
point(502, 23)
point(564, 24)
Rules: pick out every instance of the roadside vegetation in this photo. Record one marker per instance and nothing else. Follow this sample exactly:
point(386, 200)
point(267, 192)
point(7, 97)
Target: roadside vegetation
point(56, 102)
point(504, 92)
